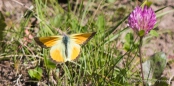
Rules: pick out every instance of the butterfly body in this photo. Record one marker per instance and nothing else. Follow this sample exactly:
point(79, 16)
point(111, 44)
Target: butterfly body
point(66, 47)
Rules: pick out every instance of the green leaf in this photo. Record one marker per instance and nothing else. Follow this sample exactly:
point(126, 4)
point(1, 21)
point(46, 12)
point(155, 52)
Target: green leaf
point(35, 73)
point(128, 41)
point(129, 38)
point(39, 70)
point(154, 33)
point(126, 46)
point(30, 72)
point(50, 64)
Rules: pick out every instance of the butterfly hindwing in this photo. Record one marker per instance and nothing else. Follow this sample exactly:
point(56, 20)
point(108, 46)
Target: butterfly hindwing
point(74, 51)
point(57, 52)
point(47, 41)
point(78, 39)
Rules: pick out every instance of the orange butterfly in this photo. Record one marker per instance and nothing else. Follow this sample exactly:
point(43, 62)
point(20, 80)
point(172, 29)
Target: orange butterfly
point(66, 47)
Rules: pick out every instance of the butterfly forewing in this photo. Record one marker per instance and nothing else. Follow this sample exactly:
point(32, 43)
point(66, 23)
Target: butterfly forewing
point(82, 38)
point(47, 41)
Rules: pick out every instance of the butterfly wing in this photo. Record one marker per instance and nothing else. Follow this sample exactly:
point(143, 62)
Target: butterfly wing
point(57, 52)
point(82, 38)
point(47, 41)
point(74, 50)
point(76, 41)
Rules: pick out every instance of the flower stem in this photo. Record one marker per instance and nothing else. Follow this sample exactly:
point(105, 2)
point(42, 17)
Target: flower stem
point(141, 40)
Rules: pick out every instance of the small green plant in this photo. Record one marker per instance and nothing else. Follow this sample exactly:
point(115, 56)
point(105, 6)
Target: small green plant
point(35, 73)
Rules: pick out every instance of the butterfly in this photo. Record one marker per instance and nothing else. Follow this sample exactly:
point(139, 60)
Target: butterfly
point(64, 47)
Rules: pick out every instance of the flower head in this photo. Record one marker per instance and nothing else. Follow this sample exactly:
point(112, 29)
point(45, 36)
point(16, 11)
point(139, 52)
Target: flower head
point(142, 19)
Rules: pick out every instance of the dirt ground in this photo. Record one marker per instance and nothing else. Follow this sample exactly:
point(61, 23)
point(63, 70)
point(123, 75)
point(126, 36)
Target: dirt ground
point(165, 42)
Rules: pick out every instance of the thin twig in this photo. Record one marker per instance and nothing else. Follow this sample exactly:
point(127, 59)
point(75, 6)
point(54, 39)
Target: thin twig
point(17, 81)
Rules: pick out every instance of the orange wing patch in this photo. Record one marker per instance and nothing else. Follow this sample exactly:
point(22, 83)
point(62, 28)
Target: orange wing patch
point(56, 54)
point(75, 51)
point(82, 38)
point(47, 41)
